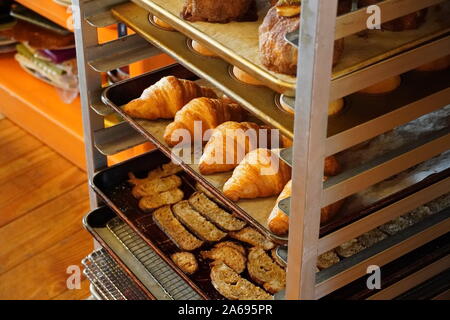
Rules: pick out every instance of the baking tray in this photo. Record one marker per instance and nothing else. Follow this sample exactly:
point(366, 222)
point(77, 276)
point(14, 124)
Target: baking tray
point(115, 96)
point(95, 223)
point(136, 258)
point(258, 210)
point(112, 186)
point(237, 42)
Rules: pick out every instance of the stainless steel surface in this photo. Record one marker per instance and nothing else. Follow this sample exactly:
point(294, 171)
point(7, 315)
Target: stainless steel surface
point(102, 19)
point(385, 166)
point(112, 140)
point(357, 21)
point(98, 13)
point(383, 252)
point(109, 280)
point(120, 52)
point(136, 257)
point(259, 100)
point(89, 82)
point(317, 27)
point(172, 284)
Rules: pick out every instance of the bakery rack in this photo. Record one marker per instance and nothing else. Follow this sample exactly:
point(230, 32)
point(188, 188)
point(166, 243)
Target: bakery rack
point(309, 130)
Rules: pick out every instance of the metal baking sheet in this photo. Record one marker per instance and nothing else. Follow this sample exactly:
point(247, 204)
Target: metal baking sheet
point(255, 210)
point(112, 186)
point(136, 258)
point(237, 42)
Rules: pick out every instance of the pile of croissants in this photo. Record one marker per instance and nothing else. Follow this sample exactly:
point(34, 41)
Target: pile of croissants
point(257, 172)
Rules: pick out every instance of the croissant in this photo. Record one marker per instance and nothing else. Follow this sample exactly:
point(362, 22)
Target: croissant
point(229, 143)
point(163, 99)
point(260, 174)
point(210, 112)
point(278, 221)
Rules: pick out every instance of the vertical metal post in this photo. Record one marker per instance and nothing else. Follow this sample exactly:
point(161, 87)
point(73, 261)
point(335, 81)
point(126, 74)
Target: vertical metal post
point(317, 31)
point(90, 82)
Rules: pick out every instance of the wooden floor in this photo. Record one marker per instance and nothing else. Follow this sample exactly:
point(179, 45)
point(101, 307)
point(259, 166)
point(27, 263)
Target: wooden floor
point(43, 198)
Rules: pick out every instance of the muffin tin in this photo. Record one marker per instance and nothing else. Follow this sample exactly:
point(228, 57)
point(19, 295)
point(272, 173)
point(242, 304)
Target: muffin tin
point(237, 42)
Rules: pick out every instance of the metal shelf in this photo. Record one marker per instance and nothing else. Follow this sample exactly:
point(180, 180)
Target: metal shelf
point(311, 139)
point(140, 262)
point(121, 52)
point(112, 140)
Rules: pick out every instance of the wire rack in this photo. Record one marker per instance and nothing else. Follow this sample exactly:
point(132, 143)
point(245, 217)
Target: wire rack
point(173, 285)
point(108, 279)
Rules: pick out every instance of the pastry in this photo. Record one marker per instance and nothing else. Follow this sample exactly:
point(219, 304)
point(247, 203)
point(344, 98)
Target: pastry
point(165, 170)
point(195, 222)
point(161, 199)
point(252, 237)
point(245, 77)
point(265, 271)
point(210, 210)
point(334, 107)
point(232, 286)
point(394, 226)
point(165, 98)
point(349, 248)
point(233, 245)
point(167, 222)
point(260, 174)
point(327, 259)
point(219, 11)
point(185, 261)
point(156, 186)
point(228, 255)
point(203, 113)
point(162, 24)
point(229, 143)
point(409, 22)
point(275, 52)
point(437, 65)
point(278, 221)
point(199, 48)
point(384, 86)
point(372, 237)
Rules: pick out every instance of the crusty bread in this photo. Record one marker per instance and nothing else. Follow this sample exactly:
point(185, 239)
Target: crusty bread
point(167, 222)
point(232, 244)
point(210, 210)
point(198, 47)
point(349, 248)
point(195, 222)
point(207, 193)
point(265, 271)
point(327, 259)
point(156, 186)
point(372, 237)
point(276, 258)
point(228, 255)
point(162, 24)
point(185, 261)
point(232, 286)
point(383, 87)
point(165, 170)
point(253, 237)
point(161, 199)
point(245, 77)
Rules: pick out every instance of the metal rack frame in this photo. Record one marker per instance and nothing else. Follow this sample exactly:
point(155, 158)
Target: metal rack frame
point(319, 29)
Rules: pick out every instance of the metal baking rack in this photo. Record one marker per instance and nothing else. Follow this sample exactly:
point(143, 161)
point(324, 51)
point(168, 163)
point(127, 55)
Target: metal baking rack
point(309, 128)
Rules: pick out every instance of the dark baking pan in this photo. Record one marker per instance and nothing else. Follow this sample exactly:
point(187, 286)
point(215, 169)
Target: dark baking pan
point(112, 186)
point(119, 94)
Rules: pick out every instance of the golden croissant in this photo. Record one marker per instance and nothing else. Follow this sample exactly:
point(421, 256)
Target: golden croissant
point(205, 111)
point(229, 144)
point(260, 174)
point(163, 99)
point(278, 221)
